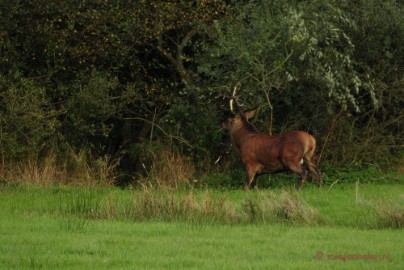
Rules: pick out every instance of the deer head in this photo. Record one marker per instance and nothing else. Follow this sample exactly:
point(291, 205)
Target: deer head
point(238, 117)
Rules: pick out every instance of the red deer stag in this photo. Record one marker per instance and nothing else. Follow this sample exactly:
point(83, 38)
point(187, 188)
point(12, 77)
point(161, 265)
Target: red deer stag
point(262, 153)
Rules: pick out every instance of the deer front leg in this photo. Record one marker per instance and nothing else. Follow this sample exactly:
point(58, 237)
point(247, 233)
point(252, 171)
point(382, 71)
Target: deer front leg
point(250, 175)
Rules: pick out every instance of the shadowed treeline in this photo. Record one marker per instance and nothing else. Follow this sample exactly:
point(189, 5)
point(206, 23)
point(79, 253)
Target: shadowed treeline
point(98, 89)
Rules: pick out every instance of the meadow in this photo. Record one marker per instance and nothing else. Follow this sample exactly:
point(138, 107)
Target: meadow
point(339, 226)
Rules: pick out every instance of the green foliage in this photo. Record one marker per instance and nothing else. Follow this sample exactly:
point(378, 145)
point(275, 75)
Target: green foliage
point(377, 132)
point(107, 75)
point(303, 63)
point(276, 47)
point(365, 174)
point(27, 118)
point(220, 180)
point(199, 125)
point(88, 108)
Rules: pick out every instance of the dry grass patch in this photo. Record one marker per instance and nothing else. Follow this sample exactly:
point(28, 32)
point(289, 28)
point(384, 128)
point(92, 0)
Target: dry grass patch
point(390, 215)
point(287, 207)
point(171, 205)
point(76, 168)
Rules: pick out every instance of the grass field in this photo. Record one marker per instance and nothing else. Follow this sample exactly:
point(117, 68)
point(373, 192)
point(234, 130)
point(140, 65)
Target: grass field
point(356, 226)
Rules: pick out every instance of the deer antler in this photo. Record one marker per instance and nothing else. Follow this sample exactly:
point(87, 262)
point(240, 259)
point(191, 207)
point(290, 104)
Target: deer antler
point(234, 97)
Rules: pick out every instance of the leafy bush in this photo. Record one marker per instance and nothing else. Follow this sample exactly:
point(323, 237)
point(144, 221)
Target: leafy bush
point(103, 76)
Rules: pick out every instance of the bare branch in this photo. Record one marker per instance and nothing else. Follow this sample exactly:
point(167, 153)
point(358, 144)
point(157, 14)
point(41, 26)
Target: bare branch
point(179, 139)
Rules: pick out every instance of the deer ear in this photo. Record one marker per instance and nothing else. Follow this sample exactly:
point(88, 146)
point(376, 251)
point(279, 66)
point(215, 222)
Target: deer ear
point(250, 114)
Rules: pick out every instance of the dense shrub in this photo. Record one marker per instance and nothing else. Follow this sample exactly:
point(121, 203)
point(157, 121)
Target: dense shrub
point(109, 76)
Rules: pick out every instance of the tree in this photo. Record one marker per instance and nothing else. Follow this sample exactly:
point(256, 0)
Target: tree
point(296, 58)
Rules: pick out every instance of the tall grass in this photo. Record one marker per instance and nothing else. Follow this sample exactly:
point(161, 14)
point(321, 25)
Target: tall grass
point(262, 207)
point(210, 207)
point(390, 216)
point(76, 168)
point(287, 207)
point(182, 206)
point(370, 207)
point(165, 167)
point(191, 206)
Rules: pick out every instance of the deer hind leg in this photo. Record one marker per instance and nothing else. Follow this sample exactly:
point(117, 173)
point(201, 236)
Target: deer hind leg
point(313, 168)
point(315, 171)
point(299, 170)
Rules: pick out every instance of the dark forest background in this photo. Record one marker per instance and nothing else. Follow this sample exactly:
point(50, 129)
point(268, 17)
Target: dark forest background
point(124, 91)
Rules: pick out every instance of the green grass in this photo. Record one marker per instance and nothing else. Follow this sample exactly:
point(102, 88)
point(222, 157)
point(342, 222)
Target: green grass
point(42, 243)
point(354, 226)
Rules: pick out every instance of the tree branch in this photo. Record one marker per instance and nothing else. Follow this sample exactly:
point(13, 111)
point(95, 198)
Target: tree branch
point(179, 139)
point(177, 61)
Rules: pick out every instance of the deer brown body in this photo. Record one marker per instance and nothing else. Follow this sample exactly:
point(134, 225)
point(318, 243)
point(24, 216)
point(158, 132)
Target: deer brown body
point(262, 153)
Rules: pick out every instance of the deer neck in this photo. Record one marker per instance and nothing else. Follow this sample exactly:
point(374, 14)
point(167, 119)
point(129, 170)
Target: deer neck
point(239, 135)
